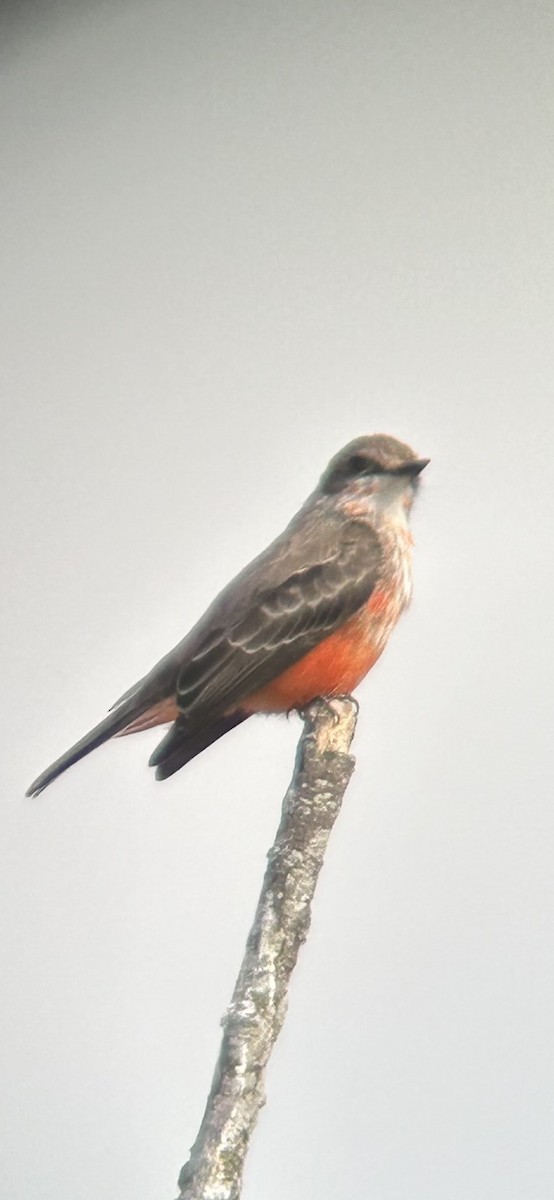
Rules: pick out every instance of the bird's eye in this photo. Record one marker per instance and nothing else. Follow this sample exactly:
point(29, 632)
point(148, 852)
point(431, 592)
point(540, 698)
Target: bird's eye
point(357, 465)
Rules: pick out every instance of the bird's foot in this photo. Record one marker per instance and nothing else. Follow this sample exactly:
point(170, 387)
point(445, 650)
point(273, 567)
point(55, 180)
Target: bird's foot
point(328, 703)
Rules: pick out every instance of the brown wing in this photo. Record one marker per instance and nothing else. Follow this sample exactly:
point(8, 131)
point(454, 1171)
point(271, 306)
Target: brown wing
point(283, 605)
point(297, 592)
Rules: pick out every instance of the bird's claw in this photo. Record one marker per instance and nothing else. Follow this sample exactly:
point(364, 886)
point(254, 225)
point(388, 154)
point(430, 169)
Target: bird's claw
point(328, 703)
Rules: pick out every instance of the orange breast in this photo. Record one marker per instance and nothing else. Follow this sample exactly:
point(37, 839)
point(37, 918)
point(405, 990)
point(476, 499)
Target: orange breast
point(334, 668)
point(337, 665)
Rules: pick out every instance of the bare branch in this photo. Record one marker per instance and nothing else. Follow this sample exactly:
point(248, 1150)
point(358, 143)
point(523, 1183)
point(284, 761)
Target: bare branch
point(252, 1023)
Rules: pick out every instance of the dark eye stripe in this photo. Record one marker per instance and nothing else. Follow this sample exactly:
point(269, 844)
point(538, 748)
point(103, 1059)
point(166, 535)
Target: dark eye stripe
point(359, 464)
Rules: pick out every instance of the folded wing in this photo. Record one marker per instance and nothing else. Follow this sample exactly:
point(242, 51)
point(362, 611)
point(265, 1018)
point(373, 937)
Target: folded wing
point(285, 618)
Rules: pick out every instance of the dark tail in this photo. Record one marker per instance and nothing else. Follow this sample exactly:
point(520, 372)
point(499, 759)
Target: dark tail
point(112, 724)
point(181, 744)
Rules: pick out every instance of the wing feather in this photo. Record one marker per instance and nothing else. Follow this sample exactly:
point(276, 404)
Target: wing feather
point(285, 617)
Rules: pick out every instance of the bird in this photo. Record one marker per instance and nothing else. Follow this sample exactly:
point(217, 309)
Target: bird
point(306, 619)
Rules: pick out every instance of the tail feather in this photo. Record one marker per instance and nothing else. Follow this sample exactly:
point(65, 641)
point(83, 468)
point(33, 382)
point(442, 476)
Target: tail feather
point(180, 744)
point(160, 713)
point(114, 723)
point(177, 748)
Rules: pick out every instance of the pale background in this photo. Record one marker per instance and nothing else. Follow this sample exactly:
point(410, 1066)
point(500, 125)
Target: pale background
point(236, 235)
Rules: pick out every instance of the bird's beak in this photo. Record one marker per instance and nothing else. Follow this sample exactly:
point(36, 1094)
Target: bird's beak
point(413, 468)
point(417, 466)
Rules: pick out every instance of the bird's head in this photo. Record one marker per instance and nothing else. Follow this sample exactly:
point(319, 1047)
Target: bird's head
point(376, 473)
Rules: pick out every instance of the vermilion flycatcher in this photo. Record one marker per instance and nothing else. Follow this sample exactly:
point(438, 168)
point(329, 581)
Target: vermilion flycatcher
point(308, 617)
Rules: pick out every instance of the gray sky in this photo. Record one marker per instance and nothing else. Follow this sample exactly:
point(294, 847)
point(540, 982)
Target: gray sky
point(234, 236)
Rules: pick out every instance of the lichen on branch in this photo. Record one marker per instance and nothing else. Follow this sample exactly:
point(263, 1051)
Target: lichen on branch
point(257, 1010)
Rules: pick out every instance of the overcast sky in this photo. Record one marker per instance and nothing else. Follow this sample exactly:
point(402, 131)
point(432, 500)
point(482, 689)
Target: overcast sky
point(234, 236)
